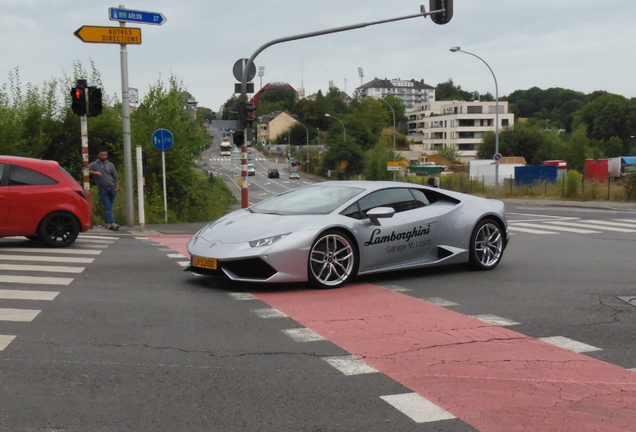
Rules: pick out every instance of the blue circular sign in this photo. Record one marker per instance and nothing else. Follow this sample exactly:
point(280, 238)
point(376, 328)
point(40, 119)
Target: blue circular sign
point(497, 156)
point(162, 139)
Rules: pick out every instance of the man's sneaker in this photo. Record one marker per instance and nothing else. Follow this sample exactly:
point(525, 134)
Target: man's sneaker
point(114, 227)
point(107, 226)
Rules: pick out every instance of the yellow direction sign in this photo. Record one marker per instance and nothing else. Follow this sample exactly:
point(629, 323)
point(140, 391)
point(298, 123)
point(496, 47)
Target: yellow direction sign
point(114, 35)
point(394, 166)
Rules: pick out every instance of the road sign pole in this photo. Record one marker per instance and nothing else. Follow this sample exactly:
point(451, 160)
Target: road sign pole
point(125, 114)
point(140, 188)
point(165, 194)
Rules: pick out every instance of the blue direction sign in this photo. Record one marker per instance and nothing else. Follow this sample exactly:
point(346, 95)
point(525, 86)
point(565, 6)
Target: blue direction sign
point(162, 139)
point(129, 15)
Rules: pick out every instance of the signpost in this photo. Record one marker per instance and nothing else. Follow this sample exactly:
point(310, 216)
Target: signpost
point(128, 15)
point(393, 166)
point(163, 139)
point(123, 36)
point(113, 35)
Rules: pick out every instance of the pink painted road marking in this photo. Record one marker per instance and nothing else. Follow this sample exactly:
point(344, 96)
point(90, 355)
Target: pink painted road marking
point(490, 377)
point(177, 243)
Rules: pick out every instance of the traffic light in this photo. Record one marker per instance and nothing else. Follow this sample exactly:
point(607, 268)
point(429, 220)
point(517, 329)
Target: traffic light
point(239, 138)
point(78, 100)
point(95, 106)
point(441, 17)
point(245, 114)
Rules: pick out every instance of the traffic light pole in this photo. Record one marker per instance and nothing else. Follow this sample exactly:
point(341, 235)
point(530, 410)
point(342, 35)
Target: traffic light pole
point(244, 189)
point(250, 62)
point(85, 171)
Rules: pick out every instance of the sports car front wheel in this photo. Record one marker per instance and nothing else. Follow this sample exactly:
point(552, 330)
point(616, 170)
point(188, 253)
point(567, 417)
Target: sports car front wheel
point(486, 245)
point(332, 260)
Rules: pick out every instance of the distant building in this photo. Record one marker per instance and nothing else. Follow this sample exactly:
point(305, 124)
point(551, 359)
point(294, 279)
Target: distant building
point(410, 92)
point(457, 124)
point(272, 125)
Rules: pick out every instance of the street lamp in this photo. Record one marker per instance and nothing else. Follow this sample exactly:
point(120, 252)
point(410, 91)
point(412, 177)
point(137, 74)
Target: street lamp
point(393, 112)
point(457, 49)
point(344, 133)
point(306, 130)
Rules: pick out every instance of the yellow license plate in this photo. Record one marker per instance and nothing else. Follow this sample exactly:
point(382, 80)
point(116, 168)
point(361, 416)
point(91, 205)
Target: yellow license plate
point(206, 263)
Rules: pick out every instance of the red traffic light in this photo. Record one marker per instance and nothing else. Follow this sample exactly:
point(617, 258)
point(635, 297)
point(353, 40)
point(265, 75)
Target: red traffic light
point(78, 101)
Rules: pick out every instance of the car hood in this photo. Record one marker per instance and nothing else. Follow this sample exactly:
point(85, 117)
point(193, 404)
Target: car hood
point(243, 226)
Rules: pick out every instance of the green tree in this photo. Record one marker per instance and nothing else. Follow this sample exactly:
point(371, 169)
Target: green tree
point(577, 149)
point(608, 116)
point(449, 153)
point(205, 114)
point(448, 91)
point(376, 163)
point(163, 108)
point(372, 114)
point(276, 99)
point(348, 152)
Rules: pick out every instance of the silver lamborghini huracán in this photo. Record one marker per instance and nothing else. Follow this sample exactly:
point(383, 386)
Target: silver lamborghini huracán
point(329, 232)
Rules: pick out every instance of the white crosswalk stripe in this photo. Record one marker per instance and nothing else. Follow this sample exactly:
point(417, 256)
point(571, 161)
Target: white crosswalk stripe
point(42, 258)
point(573, 225)
point(626, 220)
point(57, 251)
point(27, 295)
point(35, 280)
point(557, 228)
point(613, 223)
point(589, 225)
point(5, 340)
point(23, 315)
point(16, 261)
point(530, 231)
point(41, 268)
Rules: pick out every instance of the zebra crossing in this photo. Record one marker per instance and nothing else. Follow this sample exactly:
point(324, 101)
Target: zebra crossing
point(24, 268)
point(559, 225)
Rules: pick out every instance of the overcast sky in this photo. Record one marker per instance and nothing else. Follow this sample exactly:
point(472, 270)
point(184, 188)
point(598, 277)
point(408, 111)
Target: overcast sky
point(582, 45)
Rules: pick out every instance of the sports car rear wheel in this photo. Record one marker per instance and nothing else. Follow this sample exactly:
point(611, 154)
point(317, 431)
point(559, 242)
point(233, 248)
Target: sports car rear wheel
point(59, 229)
point(332, 260)
point(486, 245)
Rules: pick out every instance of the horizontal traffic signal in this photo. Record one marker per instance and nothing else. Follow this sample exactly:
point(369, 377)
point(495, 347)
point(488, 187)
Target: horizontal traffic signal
point(441, 17)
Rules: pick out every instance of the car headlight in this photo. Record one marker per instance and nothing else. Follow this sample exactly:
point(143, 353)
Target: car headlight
point(267, 241)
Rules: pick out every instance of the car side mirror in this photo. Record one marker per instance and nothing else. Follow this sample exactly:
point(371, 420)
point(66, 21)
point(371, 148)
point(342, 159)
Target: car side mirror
point(380, 213)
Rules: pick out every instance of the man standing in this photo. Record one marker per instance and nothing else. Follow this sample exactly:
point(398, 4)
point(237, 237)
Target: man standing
point(105, 176)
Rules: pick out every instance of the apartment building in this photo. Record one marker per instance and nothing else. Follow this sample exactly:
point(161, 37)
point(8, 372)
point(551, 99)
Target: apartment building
point(410, 92)
point(457, 124)
point(270, 126)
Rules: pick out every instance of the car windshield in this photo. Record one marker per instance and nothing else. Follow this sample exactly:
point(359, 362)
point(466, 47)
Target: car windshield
point(307, 200)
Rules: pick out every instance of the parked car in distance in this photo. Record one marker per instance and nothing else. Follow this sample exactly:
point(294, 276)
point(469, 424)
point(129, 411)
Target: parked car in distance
point(41, 201)
point(273, 173)
point(250, 170)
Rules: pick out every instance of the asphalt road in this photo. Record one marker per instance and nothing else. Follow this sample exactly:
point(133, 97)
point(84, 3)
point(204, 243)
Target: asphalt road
point(112, 335)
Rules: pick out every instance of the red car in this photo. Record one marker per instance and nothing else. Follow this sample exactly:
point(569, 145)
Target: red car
point(40, 200)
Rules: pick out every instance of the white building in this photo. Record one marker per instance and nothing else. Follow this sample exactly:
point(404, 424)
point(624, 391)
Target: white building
point(457, 124)
point(410, 92)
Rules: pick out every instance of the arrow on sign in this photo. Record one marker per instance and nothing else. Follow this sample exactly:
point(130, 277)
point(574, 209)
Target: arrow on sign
point(114, 35)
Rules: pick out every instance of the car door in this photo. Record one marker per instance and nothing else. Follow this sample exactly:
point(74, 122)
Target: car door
point(408, 236)
point(33, 195)
point(5, 199)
